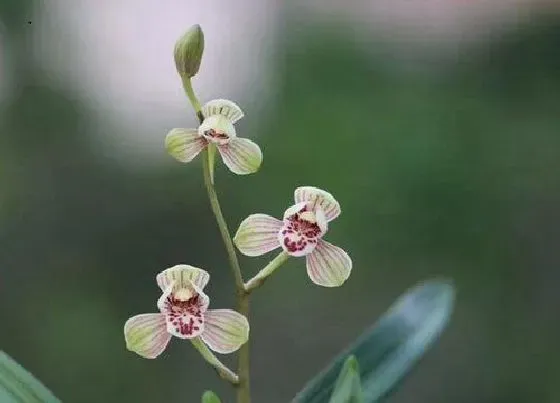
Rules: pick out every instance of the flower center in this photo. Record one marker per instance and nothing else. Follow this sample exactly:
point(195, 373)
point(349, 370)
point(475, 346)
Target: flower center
point(217, 129)
point(212, 134)
point(184, 310)
point(300, 233)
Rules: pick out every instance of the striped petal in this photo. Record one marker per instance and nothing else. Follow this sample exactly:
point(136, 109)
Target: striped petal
point(225, 330)
point(258, 234)
point(223, 107)
point(182, 276)
point(328, 265)
point(318, 198)
point(184, 144)
point(241, 156)
point(146, 334)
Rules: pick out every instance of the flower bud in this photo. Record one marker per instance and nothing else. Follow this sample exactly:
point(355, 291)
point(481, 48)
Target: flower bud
point(188, 52)
point(210, 397)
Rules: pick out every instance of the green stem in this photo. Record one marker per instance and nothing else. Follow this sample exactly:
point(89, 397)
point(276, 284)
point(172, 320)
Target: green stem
point(243, 359)
point(262, 275)
point(243, 390)
point(220, 368)
point(187, 85)
point(242, 297)
point(224, 230)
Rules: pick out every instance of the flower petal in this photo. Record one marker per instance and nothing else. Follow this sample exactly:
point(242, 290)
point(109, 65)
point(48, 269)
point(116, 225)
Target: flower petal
point(183, 276)
point(184, 144)
point(184, 310)
point(318, 198)
point(225, 330)
point(257, 235)
point(321, 218)
point(146, 334)
point(241, 156)
point(223, 107)
point(296, 208)
point(328, 265)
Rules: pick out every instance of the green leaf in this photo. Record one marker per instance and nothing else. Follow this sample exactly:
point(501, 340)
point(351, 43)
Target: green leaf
point(210, 397)
point(389, 349)
point(348, 388)
point(17, 385)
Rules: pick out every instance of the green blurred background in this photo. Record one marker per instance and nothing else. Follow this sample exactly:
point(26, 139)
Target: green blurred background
point(445, 160)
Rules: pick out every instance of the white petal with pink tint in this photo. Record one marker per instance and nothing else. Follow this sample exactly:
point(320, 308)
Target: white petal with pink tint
point(242, 156)
point(146, 334)
point(225, 330)
point(301, 228)
point(182, 275)
point(318, 198)
point(184, 144)
point(223, 107)
point(296, 244)
point(328, 265)
point(321, 219)
point(257, 235)
point(296, 208)
point(184, 310)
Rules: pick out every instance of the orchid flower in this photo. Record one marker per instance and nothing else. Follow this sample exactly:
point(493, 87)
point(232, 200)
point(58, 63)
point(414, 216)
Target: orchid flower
point(240, 155)
point(184, 314)
point(299, 234)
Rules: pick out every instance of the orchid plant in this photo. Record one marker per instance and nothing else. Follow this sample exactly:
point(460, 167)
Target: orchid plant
point(183, 305)
point(386, 351)
point(365, 372)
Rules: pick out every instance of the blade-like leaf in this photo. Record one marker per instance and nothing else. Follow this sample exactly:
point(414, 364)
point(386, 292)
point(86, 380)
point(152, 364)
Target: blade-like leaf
point(348, 388)
point(210, 397)
point(389, 349)
point(17, 385)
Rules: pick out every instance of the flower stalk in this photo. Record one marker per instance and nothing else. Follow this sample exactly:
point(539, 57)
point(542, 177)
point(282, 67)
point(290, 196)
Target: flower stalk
point(223, 371)
point(242, 297)
point(189, 91)
point(243, 388)
point(262, 275)
point(224, 230)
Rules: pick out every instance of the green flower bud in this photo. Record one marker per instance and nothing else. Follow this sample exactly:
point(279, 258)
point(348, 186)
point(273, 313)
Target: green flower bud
point(188, 52)
point(210, 397)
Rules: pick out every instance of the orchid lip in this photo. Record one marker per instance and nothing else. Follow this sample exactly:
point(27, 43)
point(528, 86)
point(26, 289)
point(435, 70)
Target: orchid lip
point(184, 312)
point(301, 231)
point(215, 136)
point(217, 129)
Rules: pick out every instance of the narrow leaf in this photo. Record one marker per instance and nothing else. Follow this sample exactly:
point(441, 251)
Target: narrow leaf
point(18, 385)
point(391, 347)
point(348, 388)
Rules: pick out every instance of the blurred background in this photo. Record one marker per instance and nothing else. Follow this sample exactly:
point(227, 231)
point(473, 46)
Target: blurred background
point(435, 123)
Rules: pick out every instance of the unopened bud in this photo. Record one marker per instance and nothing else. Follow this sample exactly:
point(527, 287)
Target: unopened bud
point(188, 52)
